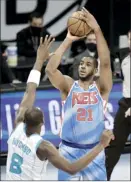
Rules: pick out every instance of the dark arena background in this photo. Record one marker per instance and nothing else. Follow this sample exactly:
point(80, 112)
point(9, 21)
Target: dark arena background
point(113, 17)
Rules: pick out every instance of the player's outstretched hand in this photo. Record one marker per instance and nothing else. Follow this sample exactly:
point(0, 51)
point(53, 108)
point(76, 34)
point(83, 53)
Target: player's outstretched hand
point(90, 20)
point(43, 49)
point(106, 137)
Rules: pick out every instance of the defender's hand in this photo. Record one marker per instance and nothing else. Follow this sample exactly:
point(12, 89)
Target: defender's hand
point(90, 20)
point(43, 49)
point(106, 137)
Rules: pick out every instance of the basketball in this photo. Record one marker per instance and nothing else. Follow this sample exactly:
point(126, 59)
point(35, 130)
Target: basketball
point(77, 26)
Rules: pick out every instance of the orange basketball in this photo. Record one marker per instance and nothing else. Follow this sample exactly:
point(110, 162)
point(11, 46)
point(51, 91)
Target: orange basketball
point(77, 26)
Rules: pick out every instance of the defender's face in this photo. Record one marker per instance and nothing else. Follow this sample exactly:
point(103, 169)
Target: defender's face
point(86, 68)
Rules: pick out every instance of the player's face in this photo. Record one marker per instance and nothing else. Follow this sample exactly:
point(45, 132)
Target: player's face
point(86, 69)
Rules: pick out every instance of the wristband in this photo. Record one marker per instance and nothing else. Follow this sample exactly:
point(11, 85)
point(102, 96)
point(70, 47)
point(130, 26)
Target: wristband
point(34, 77)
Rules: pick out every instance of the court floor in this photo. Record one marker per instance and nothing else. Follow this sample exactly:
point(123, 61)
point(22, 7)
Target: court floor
point(121, 171)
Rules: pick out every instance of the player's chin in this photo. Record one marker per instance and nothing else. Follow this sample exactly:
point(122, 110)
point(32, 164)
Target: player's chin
point(82, 77)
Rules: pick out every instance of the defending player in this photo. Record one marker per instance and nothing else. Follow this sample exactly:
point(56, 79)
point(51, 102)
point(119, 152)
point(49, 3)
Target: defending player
point(27, 151)
point(83, 103)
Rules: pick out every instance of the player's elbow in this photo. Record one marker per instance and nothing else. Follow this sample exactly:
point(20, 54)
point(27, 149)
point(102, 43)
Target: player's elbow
point(72, 170)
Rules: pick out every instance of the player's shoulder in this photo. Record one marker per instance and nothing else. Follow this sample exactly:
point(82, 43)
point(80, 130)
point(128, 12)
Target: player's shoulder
point(45, 146)
point(19, 127)
point(44, 149)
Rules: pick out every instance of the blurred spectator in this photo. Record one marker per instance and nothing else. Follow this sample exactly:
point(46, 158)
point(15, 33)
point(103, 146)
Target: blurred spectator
point(3, 48)
point(28, 38)
point(87, 46)
point(7, 75)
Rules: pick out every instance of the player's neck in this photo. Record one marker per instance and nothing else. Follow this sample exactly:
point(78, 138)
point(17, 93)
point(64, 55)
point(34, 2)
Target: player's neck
point(85, 84)
point(32, 131)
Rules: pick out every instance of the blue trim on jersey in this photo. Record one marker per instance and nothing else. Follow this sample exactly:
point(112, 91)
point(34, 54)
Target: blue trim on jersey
point(39, 142)
point(79, 146)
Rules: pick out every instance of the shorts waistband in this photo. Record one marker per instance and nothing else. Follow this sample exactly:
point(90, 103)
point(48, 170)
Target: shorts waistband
point(80, 146)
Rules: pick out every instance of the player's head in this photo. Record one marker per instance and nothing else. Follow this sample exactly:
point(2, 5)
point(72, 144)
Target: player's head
point(129, 39)
point(36, 20)
point(88, 68)
point(34, 119)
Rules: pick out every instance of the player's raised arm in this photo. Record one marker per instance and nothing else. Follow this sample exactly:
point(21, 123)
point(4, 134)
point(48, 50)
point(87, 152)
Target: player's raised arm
point(105, 80)
point(34, 78)
point(58, 80)
point(46, 149)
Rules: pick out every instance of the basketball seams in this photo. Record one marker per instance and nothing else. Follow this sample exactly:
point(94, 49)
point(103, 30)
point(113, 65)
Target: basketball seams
point(78, 28)
point(73, 23)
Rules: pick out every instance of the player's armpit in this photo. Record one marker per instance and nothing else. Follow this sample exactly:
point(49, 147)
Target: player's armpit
point(60, 81)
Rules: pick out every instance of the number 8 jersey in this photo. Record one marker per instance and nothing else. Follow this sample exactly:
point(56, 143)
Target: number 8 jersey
point(83, 121)
point(22, 160)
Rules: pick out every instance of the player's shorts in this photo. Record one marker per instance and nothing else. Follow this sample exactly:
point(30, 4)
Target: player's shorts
point(95, 171)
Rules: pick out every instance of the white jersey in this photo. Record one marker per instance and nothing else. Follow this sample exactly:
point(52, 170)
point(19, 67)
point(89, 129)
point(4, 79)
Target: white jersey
point(22, 161)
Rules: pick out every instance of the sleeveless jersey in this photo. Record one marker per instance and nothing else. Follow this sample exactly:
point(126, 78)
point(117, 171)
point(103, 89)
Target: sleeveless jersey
point(22, 160)
point(83, 117)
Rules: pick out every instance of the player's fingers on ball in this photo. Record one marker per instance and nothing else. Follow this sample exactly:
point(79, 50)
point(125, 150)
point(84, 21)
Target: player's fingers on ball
point(85, 10)
point(84, 14)
point(83, 18)
point(81, 12)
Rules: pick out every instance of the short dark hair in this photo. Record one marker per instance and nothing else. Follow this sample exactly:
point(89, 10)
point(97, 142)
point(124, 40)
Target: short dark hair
point(33, 117)
point(94, 60)
point(34, 15)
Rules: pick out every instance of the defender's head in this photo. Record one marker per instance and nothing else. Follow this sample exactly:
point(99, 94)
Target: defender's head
point(88, 68)
point(34, 119)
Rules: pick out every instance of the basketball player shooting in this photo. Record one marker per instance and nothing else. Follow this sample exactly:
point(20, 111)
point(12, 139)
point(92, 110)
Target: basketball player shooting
point(83, 103)
point(27, 151)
